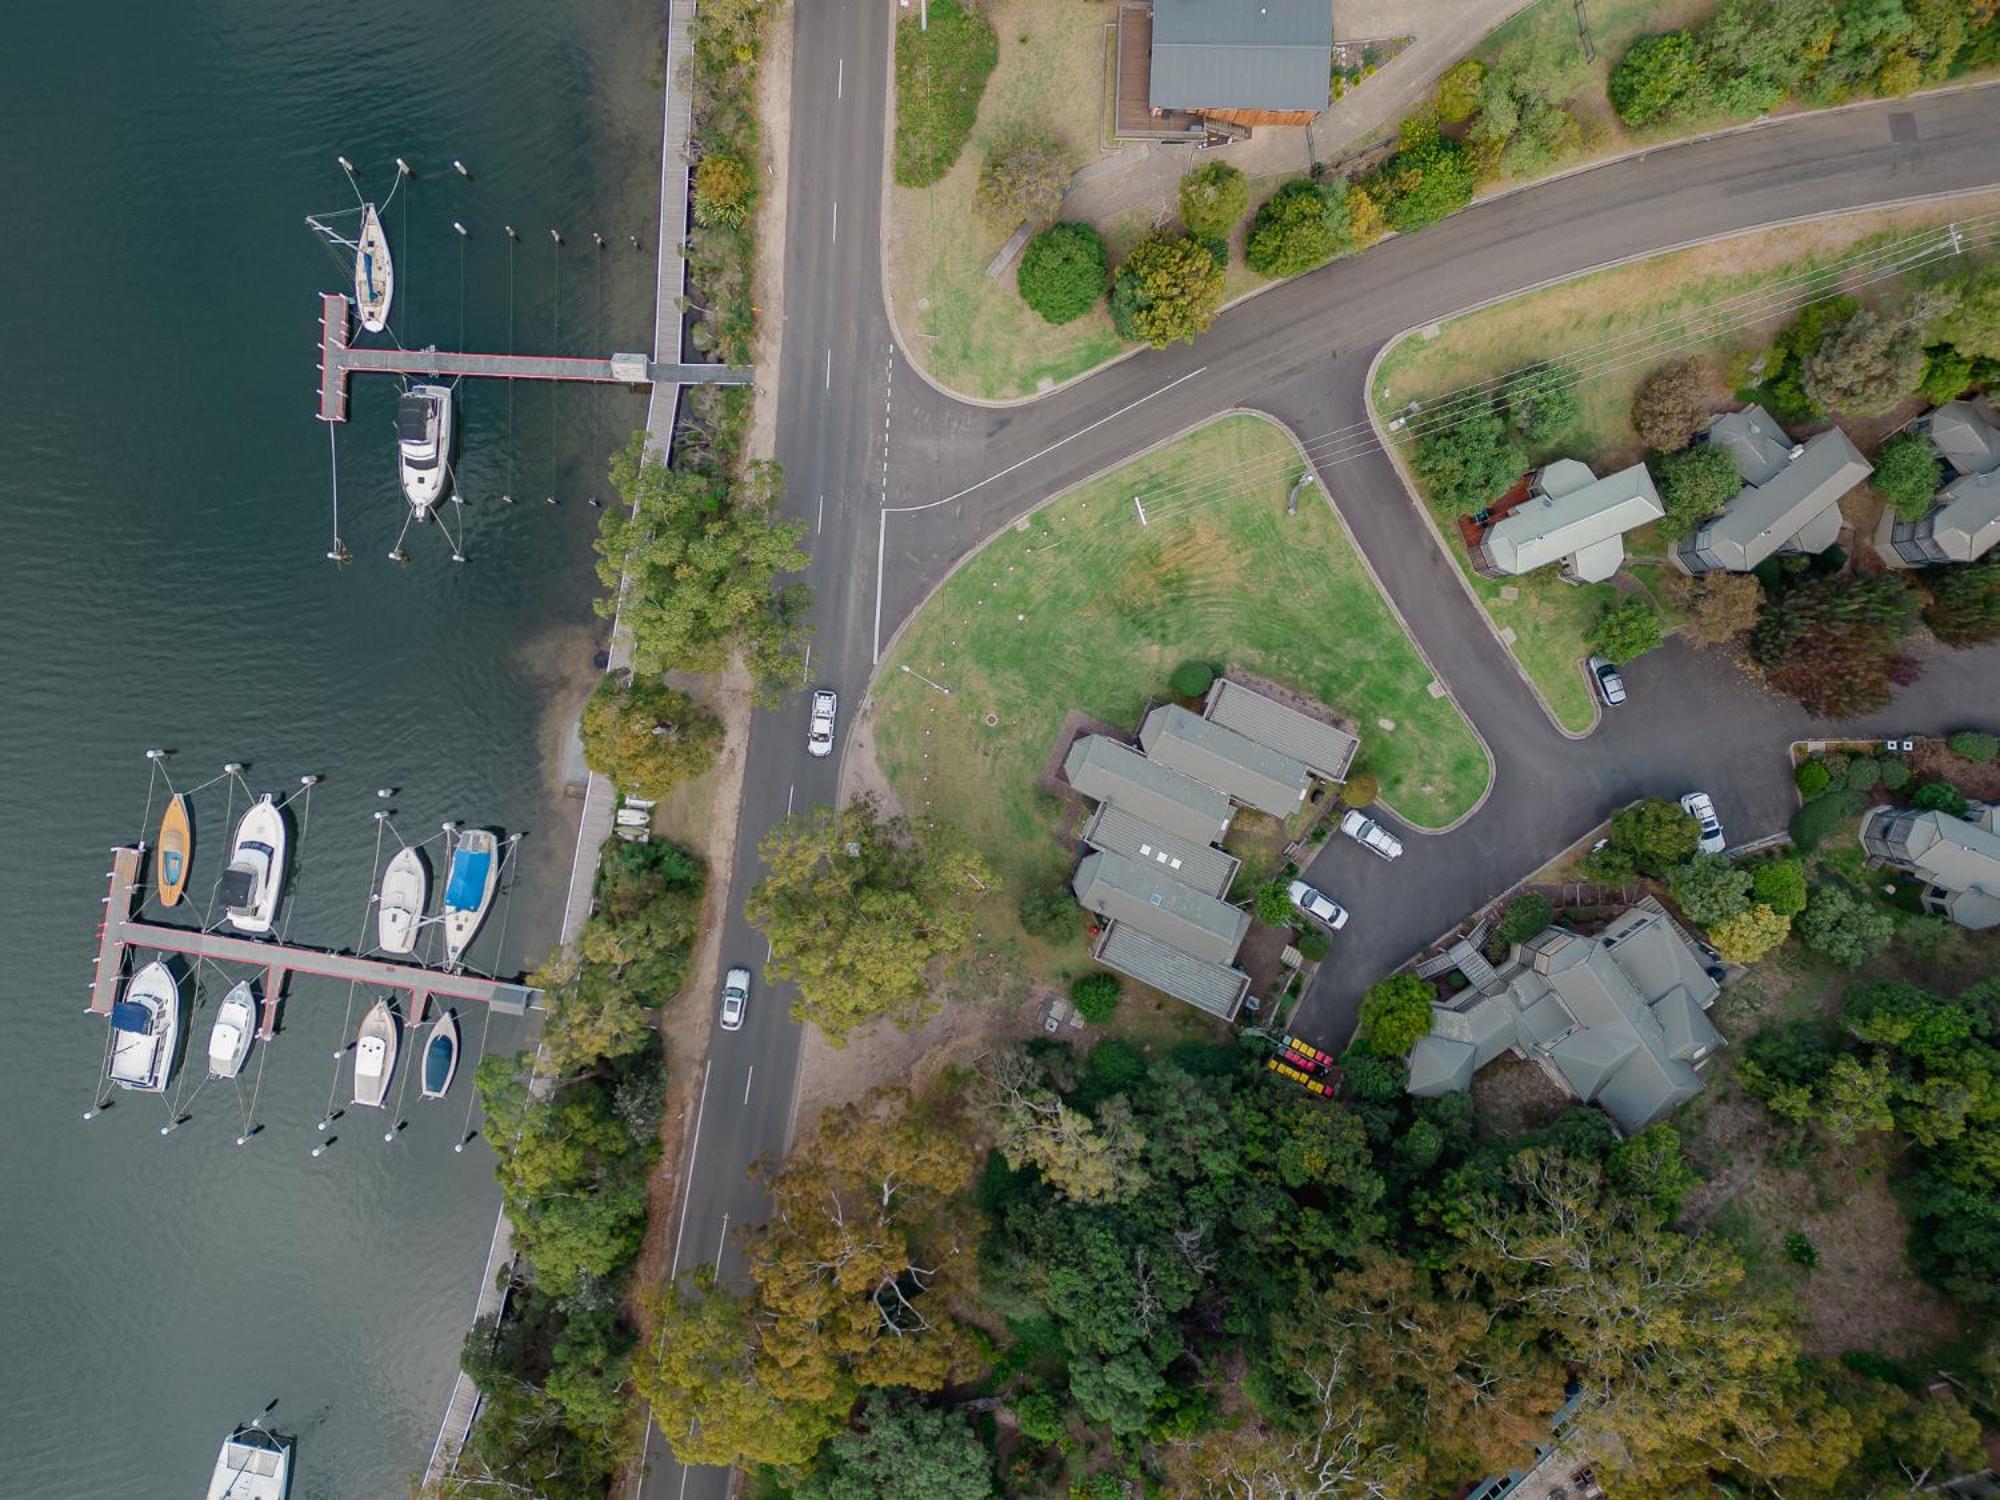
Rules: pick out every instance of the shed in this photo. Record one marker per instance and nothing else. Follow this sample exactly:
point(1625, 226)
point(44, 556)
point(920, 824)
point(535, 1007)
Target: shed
point(1251, 773)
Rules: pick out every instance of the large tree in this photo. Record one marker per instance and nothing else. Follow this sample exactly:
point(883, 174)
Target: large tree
point(1213, 197)
point(1023, 177)
point(1694, 484)
point(1865, 367)
point(1302, 225)
point(1167, 290)
point(1466, 456)
point(1087, 1159)
point(857, 907)
point(1833, 642)
point(902, 1451)
point(1063, 272)
point(1671, 406)
point(646, 737)
point(1962, 601)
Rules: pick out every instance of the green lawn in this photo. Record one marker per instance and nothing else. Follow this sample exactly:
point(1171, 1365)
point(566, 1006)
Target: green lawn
point(1079, 607)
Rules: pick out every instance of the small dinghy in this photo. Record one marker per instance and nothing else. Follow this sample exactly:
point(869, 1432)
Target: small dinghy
point(375, 1055)
point(406, 885)
point(441, 1057)
point(374, 272)
point(256, 874)
point(145, 1025)
point(423, 445)
point(174, 853)
point(253, 1465)
point(229, 1038)
point(468, 891)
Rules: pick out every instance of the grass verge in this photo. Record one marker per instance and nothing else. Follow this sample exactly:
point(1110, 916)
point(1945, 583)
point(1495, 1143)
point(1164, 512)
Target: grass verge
point(941, 70)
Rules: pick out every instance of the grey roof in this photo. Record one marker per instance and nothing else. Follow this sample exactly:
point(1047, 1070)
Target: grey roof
point(1439, 1065)
point(1234, 54)
point(1792, 507)
point(1253, 774)
point(1686, 1026)
point(1203, 866)
point(1210, 987)
point(1966, 523)
point(1957, 855)
point(1107, 771)
point(1325, 749)
point(1160, 906)
point(1966, 435)
point(1567, 519)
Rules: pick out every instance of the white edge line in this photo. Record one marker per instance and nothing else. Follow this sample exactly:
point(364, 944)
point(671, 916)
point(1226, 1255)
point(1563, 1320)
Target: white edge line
point(881, 548)
point(746, 1092)
point(687, 1182)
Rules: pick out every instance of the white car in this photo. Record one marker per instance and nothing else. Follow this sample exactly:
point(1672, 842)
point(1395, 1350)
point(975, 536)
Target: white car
point(1320, 908)
point(819, 729)
point(1370, 834)
point(735, 998)
point(1698, 806)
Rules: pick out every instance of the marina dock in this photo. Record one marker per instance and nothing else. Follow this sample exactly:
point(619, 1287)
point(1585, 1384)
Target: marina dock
point(338, 359)
point(120, 932)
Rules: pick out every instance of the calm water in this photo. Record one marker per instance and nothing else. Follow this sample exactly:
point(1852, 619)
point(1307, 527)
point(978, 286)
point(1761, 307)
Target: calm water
point(163, 515)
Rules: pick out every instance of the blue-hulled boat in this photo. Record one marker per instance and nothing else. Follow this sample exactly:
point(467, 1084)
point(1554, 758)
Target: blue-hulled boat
point(441, 1057)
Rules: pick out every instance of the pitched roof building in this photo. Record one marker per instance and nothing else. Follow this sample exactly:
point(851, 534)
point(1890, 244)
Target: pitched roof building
point(1790, 500)
point(1322, 748)
point(1113, 830)
point(1964, 524)
point(1106, 771)
point(1571, 517)
point(1957, 858)
point(1212, 987)
point(1619, 1019)
point(1154, 902)
point(1264, 63)
point(1248, 772)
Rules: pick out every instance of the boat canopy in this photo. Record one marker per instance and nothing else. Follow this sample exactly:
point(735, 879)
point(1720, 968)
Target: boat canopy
point(468, 879)
point(437, 1059)
point(239, 886)
point(413, 418)
point(130, 1015)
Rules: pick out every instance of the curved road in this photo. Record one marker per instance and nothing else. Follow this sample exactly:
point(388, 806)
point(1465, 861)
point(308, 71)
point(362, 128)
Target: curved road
point(858, 431)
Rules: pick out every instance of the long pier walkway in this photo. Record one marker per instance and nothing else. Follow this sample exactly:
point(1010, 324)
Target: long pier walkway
point(338, 359)
point(279, 961)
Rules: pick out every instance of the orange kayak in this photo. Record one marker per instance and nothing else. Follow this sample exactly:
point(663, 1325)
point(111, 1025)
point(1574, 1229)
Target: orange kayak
point(173, 856)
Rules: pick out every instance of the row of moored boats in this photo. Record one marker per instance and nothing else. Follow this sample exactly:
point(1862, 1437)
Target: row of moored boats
point(423, 415)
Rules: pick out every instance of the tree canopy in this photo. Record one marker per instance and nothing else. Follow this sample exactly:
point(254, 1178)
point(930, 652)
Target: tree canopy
point(1167, 290)
point(646, 737)
point(1063, 272)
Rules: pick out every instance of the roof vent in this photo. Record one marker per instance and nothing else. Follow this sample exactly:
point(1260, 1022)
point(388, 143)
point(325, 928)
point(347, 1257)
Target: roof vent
point(1798, 452)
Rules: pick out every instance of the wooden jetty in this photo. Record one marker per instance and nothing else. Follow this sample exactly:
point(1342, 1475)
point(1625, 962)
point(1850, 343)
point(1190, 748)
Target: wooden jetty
point(339, 359)
point(121, 931)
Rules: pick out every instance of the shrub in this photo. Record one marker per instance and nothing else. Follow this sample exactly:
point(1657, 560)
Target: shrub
point(1095, 995)
point(1656, 77)
point(1168, 289)
point(1800, 1251)
point(1050, 912)
point(1846, 929)
point(1779, 884)
point(1457, 93)
point(1940, 796)
point(1038, 1417)
point(1313, 945)
point(940, 74)
point(1542, 400)
point(1972, 744)
point(1526, 915)
point(1394, 1013)
point(1360, 789)
point(1907, 474)
point(1467, 459)
point(1191, 679)
point(1671, 406)
point(1750, 934)
point(1895, 775)
point(1426, 180)
point(1963, 601)
point(1710, 889)
point(1300, 226)
point(1694, 484)
point(1627, 627)
point(1274, 905)
point(1819, 817)
point(1213, 198)
point(1656, 836)
point(1023, 177)
point(1865, 367)
point(1812, 777)
point(1063, 272)
point(723, 189)
point(1946, 374)
point(1862, 774)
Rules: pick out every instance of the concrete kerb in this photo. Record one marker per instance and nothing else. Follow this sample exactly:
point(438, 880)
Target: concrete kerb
point(902, 625)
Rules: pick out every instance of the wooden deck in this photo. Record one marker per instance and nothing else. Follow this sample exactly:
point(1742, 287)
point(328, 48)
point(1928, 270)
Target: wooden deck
point(1133, 118)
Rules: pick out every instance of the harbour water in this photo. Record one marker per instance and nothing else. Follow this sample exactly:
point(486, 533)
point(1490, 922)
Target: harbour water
point(163, 523)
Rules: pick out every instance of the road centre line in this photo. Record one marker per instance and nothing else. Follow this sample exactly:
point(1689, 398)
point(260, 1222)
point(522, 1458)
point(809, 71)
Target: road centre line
point(790, 792)
point(829, 369)
point(819, 525)
point(687, 1183)
point(746, 1082)
point(836, 221)
point(721, 1240)
point(839, 77)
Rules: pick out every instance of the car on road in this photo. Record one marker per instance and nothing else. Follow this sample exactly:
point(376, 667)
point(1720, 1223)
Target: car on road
point(819, 728)
point(1370, 834)
point(1610, 686)
point(1320, 908)
point(735, 998)
point(1700, 807)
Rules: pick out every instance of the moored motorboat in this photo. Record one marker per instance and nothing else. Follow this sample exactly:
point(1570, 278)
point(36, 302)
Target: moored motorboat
point(423, 445)
point(255, 878)
point(406, 885)
point(374, 272)
point(253, 1465)
point(174, 853)
point(375, 1055)
point(468, 890)
point(229, 1038)
point(441, 1057)
point(145, 1026)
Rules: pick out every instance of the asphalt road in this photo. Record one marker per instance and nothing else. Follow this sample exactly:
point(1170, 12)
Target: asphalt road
point(1299, 351)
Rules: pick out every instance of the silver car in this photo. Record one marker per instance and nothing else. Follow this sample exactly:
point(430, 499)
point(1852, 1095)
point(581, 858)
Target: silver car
point(735, 998)
point(1610, 686)
point(1700, 807)
point(1370, 834)
point(1319, 907)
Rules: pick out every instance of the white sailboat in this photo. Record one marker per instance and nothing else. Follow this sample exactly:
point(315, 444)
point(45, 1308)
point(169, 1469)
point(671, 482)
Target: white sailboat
point(375, 1055)
point(229, 1038)
point(406, 885)
point(255, 878)
point(423, 445)
point(374, 272)
point(145, 1026)
point(468, 889)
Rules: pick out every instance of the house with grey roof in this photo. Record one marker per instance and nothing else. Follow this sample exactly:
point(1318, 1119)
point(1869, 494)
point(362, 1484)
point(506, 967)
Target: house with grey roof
point(1153, 901)
point(1958, 859)
point(1106, 771)
point(1964, 523)
point(1790, 500)
point(1264, 63)
point(1323, 748)
point(1113, 830)
point(1571, 517)
point(1213, 987)
point(1250, 773)
point(1619, 1020)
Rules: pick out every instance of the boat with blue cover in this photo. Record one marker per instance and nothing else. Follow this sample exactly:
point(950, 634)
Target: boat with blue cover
point(145, 1026)
point(441, 1057)
point(468, 889)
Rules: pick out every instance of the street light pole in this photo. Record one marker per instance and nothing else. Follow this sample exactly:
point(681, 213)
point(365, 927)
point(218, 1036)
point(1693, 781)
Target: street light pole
point(938, 686)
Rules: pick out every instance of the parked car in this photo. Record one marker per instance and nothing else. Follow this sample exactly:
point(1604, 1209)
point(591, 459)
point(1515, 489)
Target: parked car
point(819, 728)
point(1610, 686)
point(1370, 834)
point(735, 998)
point(1701, 808)
point(1320, 908)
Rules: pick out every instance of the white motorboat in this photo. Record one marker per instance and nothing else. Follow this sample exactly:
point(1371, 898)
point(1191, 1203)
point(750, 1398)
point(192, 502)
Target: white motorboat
point(255, 878)
point(468, 889)
point(229, 1038)
point(423, 445)
point(375, 1055)
point(145, 1026)
point(406, 886)
point(441, 1057)
point(374, 272)
point(253, 1465)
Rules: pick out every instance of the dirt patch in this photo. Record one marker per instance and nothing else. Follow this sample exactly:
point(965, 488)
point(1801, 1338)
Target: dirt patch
point(1515, 1097)
point(774, 109)
point(1933, 762)
point(860, 772)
